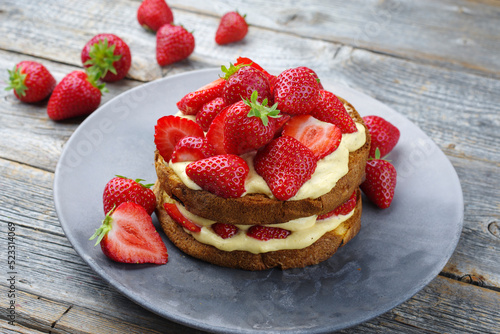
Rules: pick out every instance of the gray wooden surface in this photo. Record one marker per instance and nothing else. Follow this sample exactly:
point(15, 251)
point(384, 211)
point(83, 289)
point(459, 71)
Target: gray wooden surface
point(436, 62)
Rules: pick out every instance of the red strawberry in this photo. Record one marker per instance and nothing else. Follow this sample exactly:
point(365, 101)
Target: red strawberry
point(76, 95)
point(173, 43)
point(342, 209)
point(170, 129)
point(313, 74)
point(209, 111)
point(280, 122)
point(330, 109)
point(222, 175)
point(216, 133)
point(232, 28)
point(179, 218)
point(384, 135)
point(224, 230)
point(320, 137)
point(265, 233)
point(31, 81)
point(191, 103)
point(285, 164)
point(380, 182)
point(153, 14)
point(248, 61)
point(128, 235)
point(192, 149)
point(106, 57)
point(248, 125)
point(241, 82)
point(120, 189)
point(296, 91)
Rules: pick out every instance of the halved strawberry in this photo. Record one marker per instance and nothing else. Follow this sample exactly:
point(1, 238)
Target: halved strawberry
point(320, 137)
point(342, 209)
point(222, 175)
point(179, 218)
point(265, 233)
point(128, 235)
point(224, 230)
point(330, 109)
point(285, 164)
point(209, 111)
point(192, 149)
point(191, 103)
point(170, 129)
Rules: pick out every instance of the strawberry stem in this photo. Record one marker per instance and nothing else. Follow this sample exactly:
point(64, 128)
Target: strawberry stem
point(231, 70)
point(16, 81)
point(101, 59)
point(105, 227)
point(261, 110)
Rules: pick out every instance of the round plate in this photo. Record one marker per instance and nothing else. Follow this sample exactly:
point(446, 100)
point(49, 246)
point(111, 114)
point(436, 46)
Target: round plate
point(397, 252)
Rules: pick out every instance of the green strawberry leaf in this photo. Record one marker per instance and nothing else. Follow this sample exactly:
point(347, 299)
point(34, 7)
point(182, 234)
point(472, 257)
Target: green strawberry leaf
point(261, 110)
point(16, 81)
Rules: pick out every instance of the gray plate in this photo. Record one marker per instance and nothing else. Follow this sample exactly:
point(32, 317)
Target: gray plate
point(398, 251)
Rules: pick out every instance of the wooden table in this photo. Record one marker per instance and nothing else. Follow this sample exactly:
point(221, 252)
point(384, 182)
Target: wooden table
point(436, 62)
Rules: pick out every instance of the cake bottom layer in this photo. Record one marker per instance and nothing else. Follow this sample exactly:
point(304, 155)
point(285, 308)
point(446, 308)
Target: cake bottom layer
point(319, 251)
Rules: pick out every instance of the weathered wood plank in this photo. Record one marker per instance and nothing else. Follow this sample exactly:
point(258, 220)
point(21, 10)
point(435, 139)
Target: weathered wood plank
point(28, 135)
point(457, 34)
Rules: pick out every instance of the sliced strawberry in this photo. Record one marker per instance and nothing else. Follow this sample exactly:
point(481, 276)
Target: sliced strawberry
point(191, 103)
point(384, 135)
point(320, 137)
point(170, 129)
point(216, 133)
point(265, 233)
point(330, 109)
point(192, 149)
point(128, 235)
point(179, 218)
point(222, 175)
point(285, 164)
point(224, 230)
point(342, 209)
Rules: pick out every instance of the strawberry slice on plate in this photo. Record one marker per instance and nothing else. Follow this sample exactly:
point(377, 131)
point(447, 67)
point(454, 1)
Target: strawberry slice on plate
point(191, 103)
point(265, 233)
point(179, 218)
point(320, 137)
point(170, 129)
point(128, 235)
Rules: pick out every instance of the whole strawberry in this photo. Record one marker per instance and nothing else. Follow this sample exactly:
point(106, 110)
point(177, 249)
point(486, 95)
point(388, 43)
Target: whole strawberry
point(106, 57)
point(242, 81)
point(192, 102)
point(380, 181)
point(296, 91)
point(173, 43)
point(128, 235)
point(384, 135)
point(76, 95)
point(31, 81)
point(330, 109)
point(245, 126)
point(121, 189)
point(153, 14)
point(285, 164)
point(232, 28)
point(222, 175)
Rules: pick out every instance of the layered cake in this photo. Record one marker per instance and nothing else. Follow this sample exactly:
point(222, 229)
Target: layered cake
point(259, 171)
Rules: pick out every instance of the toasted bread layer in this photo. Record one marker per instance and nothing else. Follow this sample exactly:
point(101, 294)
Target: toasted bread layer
point(258, 209)
point(319, 251)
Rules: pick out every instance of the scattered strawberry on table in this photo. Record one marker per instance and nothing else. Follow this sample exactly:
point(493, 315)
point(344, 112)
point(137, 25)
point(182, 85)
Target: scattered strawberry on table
point(78, 94)
point(232, 28)
point(153, 14)
point(127, 235)
point(106, 57)
point(31, 81)
point(173, 43)
point(121, 189)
